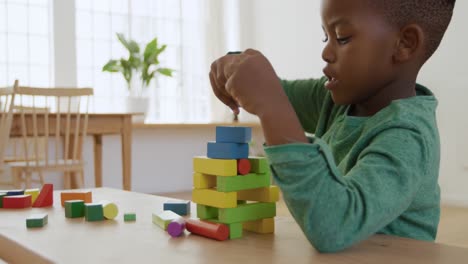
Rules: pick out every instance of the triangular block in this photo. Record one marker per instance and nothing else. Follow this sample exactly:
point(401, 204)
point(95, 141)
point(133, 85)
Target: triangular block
point(46, 196)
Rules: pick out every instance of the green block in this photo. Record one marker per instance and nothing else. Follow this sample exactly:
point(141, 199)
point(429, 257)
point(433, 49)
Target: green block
point(247, 212)
point(242, 182)
point(74, 208)
point(94, 212)
point(129, 217)
point(206, 212)
point(36, 220)
point(241, 202)
point(1, 199)
point(235, 229)
point(259, 165)
point(163, 219)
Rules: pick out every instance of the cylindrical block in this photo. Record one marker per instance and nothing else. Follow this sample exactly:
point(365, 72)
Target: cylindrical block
point(110, 209)
point(176, 227)
point(243, 166)
point(207, 229)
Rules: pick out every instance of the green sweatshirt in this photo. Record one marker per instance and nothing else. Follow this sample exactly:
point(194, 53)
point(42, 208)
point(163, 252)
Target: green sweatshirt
point(360, 175)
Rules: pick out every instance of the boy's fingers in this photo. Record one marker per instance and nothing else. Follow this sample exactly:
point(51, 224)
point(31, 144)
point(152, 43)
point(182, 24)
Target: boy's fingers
point(222, 95)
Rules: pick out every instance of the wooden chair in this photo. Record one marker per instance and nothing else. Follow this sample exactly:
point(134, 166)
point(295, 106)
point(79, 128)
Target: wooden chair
point(6, 111)
point(62, 126)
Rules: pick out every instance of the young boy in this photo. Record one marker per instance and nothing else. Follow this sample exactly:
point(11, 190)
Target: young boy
point(373, 164)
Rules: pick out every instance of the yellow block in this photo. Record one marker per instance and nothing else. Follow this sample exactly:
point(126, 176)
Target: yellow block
point(110, 209)
point(214, 198)
point(261, 226)
point(265, 194)
point(203, 181)
point(33, 192)
point(218, 167)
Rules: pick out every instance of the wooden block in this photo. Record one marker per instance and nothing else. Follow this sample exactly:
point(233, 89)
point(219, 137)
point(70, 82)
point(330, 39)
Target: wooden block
point(176, 227)
point(1, 199)
point(266, 194)
point(214, 198)
point(203, 181)
point(110, 210)
point(261, 226)
point(236, 134)
point(247, 212)
point(128, 217)
point(46, 196)
point(207, 229)
point(206, 212)
point(15, 192)
point(235, 229)
point(94, 212)
point(33, 192)
point(74, 208)
point(225, 150)
point(243, 166)
point(218, 167)
point(259, 164)
point(86, 196)
point(17, 201)
point(163, 219)
point(36, 220)
point(180, 207)
point(237, 183)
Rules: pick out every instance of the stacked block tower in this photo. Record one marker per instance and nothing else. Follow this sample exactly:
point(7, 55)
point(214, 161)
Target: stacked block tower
point(232, 188)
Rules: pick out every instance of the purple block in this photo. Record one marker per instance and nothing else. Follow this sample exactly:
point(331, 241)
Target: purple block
point(176, 227)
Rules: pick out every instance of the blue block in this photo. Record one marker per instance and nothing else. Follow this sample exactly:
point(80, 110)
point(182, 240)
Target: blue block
point(233, 134)
point(15, 192)
point(221, 150)
point(179, 207)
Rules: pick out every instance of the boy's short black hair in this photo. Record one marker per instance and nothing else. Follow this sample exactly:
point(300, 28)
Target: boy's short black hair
point(432, 15)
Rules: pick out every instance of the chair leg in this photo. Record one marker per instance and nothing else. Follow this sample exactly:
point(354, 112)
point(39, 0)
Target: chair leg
point(28, 179)
point(79, 179)
point(41, 178)
point(66, 180)
point(16, 175)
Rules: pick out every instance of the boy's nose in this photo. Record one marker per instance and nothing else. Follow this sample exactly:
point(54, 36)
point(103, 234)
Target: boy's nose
point(327, 54)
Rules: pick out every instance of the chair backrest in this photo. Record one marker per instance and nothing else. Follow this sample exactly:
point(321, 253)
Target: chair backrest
point(52, 112)
point(7, 97)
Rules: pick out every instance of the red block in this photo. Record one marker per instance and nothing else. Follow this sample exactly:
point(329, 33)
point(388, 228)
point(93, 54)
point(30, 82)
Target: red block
point(17, 201)
point(46, 196)
point(243, 166)
point(207, 229)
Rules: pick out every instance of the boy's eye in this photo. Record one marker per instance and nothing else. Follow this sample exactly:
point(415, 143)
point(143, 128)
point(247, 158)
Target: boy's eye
point(343, 41)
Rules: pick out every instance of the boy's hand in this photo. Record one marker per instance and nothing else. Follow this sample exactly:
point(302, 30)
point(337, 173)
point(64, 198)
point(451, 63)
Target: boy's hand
point(247, 80)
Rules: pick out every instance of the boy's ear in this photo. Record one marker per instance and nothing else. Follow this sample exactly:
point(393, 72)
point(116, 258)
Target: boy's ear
point(409, 44)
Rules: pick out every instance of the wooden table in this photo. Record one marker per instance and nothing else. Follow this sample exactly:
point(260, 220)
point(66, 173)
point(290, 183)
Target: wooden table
point(99, 124)
point(114, 241)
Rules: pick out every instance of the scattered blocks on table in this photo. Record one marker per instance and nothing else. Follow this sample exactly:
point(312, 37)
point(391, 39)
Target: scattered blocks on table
point(245, 182)
point(86, 196)
point(216, 231)
point(34, 194)
point(224, 150)
point(46, 196)
point(36, 220)
point(17, 201)
point(247, 212)
point(176, 227)
point(266, 194)
point(261, 226)
point(129, 217)
point(259, 164)
point(214, 198)
point(243, 166)
point(180, 207)
point(74, 208)
point(233, 134)
point(94, 212)
point(203, 181)
point(110, 210)
point(218, 167)
point(15, 192)
point(163, 219)
point(1, 199)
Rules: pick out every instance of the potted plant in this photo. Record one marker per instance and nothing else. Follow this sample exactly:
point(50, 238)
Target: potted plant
point(138, 70)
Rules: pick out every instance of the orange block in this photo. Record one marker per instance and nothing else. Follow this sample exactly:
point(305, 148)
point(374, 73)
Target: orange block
point(87, 197)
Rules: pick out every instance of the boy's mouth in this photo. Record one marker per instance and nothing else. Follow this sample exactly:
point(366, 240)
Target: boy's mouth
point(332, 82)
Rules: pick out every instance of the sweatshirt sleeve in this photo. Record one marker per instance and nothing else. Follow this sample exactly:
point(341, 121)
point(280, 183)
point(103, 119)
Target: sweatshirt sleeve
point(307, 97)
point(334, 210)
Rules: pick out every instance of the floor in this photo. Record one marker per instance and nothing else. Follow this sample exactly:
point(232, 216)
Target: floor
point(453, 226)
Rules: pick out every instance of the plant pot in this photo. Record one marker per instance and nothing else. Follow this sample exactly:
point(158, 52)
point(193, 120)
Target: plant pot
point(137, 105)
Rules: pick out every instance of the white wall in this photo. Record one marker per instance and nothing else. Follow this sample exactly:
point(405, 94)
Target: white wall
point(289, 34)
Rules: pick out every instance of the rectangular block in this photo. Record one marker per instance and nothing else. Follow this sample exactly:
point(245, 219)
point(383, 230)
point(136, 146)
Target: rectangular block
point(17, 201)
point(15, 192)
point(233, 134)
point(129, 217)
point(86, 196)
point(163, 219)
point(180, 207)
point(33, 192)
point(203, 181)
point(259, 165)
point(36, 220)
point(235, 229)
point(226, 150)
point(218, 167)
point(214, 198)
point(261, 226)
point(74, 208)
point(242, 182)
point(247, 212)
point(94, 212)
point(266, 194)
point(206, 212)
